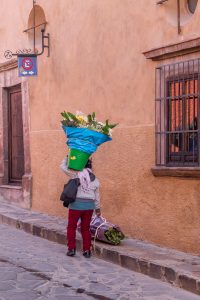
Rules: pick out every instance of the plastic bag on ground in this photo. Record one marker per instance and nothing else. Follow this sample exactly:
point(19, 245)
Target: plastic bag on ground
point(104, 231)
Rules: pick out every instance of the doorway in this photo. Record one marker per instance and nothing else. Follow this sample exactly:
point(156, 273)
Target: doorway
point(15, 136)
point(15, 163)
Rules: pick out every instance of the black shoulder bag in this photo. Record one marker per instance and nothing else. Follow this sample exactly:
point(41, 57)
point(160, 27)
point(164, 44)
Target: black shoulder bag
point(69, 191)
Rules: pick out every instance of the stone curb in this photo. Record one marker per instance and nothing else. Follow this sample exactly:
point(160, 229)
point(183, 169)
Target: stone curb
point(51, 228)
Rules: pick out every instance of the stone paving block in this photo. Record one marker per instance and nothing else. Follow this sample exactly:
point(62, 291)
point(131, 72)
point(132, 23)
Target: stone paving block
point(5, 276)
point(7, 286)
point(97, 287)
point(110, 255)
point(97, 251)
point(45, 267)
point(163, 297)
point(27, 227)
point(15, 295)
point(155, 271)
point(68, 297)
point(28, 276)
point(59, 290)
point(37, 230)
point(30, 284)
point(198, 286)
point(169, 275)
point(144, 267)
point(49, 234)
point(12, 221)
point(130, 263)
point(102, 297)
point(12, 269)
point(188, 284)
point(61, 238)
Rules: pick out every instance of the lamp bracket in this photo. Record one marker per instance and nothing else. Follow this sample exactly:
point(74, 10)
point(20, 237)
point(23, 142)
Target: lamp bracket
point(8, 54)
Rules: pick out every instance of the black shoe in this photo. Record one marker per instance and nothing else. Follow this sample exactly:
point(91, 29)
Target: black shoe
point(71, 252)
point(87, 253)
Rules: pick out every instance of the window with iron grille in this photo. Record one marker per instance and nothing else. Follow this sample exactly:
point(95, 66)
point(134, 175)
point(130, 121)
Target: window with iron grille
point(177, 114)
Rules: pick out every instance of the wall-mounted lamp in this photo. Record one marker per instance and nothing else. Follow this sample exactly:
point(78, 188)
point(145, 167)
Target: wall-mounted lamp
point(45, 39)
point(178, 13)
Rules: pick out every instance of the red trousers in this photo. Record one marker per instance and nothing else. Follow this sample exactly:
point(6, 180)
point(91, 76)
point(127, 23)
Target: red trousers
point(73, 217)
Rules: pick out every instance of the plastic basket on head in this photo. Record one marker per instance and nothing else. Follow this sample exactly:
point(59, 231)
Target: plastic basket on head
point(77, 159)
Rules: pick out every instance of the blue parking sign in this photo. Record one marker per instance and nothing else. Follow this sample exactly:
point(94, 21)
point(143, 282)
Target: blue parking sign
point(27, 65)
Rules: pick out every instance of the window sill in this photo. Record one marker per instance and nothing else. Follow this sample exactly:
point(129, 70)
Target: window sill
point(173, 50)
point(190, 172)
point(12, 187)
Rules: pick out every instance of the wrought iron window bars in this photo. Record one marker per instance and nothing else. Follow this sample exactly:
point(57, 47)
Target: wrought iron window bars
point(177, 114)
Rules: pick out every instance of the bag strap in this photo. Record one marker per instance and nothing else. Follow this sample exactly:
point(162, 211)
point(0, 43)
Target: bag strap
point(96, 232)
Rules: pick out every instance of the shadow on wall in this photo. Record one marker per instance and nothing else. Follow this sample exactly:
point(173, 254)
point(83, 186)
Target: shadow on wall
point(36, 18)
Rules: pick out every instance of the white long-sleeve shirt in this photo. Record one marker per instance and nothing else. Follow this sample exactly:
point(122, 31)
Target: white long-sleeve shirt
point(92, 193)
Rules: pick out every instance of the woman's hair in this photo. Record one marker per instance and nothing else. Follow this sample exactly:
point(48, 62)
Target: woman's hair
point(89, 164)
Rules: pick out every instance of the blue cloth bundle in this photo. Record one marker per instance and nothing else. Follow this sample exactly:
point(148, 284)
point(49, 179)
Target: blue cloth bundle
point(84, 139)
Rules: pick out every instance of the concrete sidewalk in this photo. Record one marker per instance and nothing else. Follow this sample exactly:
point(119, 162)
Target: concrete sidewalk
point(175, 267)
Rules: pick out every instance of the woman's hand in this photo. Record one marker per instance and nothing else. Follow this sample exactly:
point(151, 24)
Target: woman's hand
point(98, 212)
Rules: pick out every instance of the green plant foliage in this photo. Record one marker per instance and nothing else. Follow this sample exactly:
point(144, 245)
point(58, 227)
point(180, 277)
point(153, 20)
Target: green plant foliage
point(114, 236)
point(89, 121)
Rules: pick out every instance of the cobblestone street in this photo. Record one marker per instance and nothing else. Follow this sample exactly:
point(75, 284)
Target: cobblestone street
point(34, 268)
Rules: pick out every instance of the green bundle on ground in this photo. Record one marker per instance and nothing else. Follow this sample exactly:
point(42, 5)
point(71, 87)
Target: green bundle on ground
point(105, 231)
point(114, 236)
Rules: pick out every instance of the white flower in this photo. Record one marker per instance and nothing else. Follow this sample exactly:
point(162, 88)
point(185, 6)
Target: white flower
point(110, 132)
point(102, 124)
point(81, 116)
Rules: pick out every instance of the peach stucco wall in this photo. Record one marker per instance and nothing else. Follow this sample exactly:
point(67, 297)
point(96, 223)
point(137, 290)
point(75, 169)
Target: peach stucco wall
point(96, 64)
